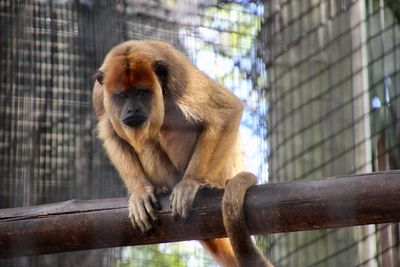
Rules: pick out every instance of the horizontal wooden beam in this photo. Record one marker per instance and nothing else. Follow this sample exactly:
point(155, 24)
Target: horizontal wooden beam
point(279, 207)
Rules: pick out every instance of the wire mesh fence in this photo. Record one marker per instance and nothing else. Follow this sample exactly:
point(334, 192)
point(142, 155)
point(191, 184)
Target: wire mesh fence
point(48, 52)
point(333, 69)
point(319, 79)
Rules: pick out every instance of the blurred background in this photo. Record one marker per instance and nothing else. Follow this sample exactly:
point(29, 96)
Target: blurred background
point(320, 80)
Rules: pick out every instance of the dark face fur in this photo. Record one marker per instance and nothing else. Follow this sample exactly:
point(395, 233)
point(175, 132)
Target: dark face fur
point(133, 106)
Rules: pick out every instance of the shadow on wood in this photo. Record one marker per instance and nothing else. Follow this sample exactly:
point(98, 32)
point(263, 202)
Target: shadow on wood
point(281, 207)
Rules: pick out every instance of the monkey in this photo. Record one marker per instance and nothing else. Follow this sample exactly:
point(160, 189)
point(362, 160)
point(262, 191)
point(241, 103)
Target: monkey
point(167, 128)
point(234, 221)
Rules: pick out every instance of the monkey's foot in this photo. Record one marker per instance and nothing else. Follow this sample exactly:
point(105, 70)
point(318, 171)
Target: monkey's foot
point(141, 209)
point(182, 197)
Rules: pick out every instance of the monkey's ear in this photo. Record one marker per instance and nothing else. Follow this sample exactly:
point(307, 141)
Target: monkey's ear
point(99, 76)
point(160, 69)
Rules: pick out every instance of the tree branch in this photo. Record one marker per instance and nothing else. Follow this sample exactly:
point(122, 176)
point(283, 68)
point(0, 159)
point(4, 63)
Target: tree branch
point(281, 207)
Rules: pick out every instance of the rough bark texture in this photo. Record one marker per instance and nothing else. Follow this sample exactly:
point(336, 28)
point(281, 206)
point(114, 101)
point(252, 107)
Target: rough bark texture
point(281, 207)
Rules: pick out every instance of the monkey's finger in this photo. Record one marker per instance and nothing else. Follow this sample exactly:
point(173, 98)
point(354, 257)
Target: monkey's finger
point(150, 210)
point(154, 201)
point(132, 218)
point(153, 197)
point(185, 208)
point(190, 195)
point(141, 218)
point(141, 226)
point(187, 202)
point(133, 214)
point(134, 225)
point(173, 200)
point(179, 204)
point(137, 223)
point(144, 218)
point(184, 204)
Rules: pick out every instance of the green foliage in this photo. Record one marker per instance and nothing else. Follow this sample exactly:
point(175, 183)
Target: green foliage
point(164, 255)
point(237, 27)
point(150, 256)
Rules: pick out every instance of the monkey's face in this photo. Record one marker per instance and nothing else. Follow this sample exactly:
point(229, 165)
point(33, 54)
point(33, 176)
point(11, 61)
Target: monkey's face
point(133, 98)
point(133, 106)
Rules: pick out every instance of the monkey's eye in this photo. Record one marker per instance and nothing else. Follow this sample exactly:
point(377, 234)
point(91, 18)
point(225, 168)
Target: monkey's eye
point(141, 92)
point(121, 94)
point(160, 69)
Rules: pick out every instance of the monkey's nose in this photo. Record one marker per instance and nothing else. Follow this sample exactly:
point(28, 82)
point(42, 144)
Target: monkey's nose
point(133, 110)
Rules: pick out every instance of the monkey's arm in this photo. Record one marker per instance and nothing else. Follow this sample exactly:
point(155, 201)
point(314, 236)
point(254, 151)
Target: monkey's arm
point(126, 162)
point(219, 112)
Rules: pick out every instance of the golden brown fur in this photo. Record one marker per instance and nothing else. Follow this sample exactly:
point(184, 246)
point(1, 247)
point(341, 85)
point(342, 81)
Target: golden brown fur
point(234, 219)
point(189, 139)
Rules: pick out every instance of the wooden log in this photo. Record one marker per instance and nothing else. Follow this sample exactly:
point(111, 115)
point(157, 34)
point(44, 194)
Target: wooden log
point(279, 207)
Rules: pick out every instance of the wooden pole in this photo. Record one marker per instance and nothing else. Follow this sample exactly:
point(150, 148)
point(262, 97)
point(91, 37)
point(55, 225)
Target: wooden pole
point(281, 207)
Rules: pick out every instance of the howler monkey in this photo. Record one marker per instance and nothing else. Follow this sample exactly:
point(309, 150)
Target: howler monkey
point(166, 127)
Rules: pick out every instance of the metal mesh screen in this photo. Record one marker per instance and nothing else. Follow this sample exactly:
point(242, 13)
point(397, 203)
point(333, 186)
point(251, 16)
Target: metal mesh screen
point(333, 90)
point(48, 52)
point(319, 79)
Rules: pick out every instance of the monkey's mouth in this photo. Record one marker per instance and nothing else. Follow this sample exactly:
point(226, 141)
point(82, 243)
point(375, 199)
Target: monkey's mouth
point(134, 121)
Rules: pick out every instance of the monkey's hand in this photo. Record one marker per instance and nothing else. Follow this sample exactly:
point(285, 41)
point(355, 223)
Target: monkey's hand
point(182, 197)
point(141, 209)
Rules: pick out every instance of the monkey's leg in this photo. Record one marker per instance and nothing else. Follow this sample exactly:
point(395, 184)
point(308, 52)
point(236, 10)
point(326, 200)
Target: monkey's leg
point(215, 145)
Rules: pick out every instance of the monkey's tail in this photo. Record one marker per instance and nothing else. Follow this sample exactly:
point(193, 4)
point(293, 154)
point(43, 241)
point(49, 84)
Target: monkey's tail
point(234, 219)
